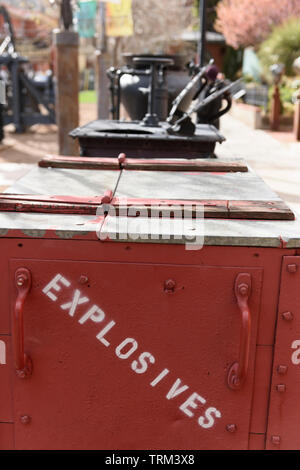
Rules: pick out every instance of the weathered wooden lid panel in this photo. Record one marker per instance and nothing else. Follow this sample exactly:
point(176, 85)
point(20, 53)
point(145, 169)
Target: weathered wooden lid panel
point(177, 185)
point(65, 182)
point(192, 186)
point(159, 164)
point(236, 192)
point(212, 232)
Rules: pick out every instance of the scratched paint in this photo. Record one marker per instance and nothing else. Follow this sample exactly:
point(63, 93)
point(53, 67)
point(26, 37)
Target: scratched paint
point(69, 234)
point(296, 354)
point(127, 347)
point(2, 352)
point(34, 233)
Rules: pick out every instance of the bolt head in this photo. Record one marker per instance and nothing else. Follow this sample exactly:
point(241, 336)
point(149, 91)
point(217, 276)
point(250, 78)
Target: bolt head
point(20, 281)
point(83, 279)
point(170, 285)
point(287, 316)
point(275, 440)
point(21, 374)
point(25, 419)
point(292, 268)
point(282, 370)
point(280, 388)
point(231, 428)
point(243, 289)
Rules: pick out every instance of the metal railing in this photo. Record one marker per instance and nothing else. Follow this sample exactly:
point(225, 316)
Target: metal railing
point(256, 95)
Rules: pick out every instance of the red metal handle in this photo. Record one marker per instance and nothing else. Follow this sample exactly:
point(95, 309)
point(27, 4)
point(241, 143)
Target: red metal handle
point(238, 371)
point(23, 362)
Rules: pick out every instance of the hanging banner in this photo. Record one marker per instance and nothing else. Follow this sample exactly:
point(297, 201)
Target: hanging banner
point(119, 18)
point(86, 18)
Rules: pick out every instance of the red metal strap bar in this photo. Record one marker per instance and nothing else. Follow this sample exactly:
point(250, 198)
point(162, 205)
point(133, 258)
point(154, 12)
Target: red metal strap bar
point(263, 210)
point(159, 164)
point(93, 200)
point(200, 165)
point(82, 163)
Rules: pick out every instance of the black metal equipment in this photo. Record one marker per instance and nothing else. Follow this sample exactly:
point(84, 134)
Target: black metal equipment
point(108, 138)
point(165, 128)
point(147, 81)
point(149, 72)
point(202, 36)
point(184, 124)
point(30, 98)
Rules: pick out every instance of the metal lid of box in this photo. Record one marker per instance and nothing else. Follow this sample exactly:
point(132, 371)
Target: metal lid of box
point(224, 201)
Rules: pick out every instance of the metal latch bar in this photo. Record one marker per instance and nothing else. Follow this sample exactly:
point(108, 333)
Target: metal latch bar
point(158, 164)
point(262, 210)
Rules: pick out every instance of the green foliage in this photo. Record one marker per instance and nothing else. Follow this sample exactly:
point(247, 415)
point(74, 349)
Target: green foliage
point(282, 46)
point(233, 61)
point(88, 96)
point(286, 93)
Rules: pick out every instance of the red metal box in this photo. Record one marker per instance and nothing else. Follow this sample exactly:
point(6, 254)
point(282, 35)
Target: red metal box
point(115, 334)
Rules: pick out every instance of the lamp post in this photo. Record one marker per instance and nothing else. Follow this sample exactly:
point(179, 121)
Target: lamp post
point(102, 64)
point(202, 38)
point(66, 44)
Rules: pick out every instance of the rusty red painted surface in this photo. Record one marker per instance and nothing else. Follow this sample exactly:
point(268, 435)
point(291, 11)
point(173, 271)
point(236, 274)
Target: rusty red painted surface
point(145, 344)
point(126, 339)
point(284, 414)
point(131, 375)
point(6, 365)
point(256, 442)
point(7, 436)
point(210, 256)
point(261, 392)
point(195, 339)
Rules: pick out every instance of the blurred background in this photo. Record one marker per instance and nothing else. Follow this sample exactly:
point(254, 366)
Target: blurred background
point(244, 38)
point(257, 41)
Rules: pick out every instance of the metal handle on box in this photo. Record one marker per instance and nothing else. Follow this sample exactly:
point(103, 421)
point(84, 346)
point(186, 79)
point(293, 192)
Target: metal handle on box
point(23, 363)
point(238, 371)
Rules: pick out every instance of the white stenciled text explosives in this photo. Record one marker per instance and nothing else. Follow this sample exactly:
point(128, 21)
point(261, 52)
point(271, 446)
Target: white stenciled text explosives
point(82, 308)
